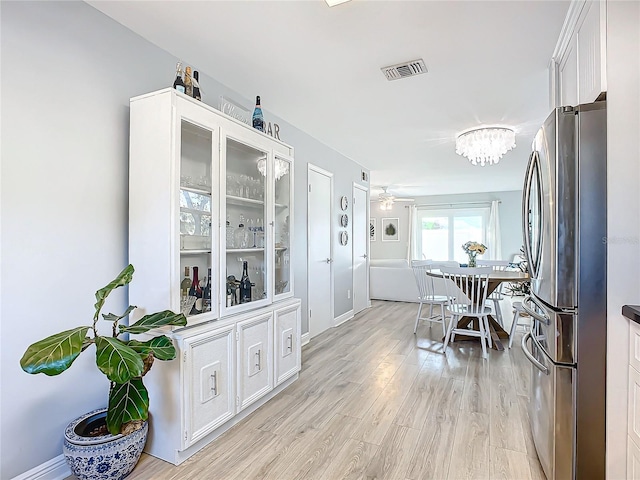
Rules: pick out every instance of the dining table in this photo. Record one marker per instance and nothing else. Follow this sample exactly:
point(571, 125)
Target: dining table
point(497, 331)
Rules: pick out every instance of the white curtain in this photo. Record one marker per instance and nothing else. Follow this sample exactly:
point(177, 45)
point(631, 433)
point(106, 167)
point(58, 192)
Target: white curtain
point(411, 247)
point(494, 243)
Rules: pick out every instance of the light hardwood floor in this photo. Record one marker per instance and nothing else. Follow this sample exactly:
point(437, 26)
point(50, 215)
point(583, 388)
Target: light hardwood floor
point(376, 401)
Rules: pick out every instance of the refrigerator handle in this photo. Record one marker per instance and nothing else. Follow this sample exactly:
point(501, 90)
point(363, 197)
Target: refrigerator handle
point(530, 356)
point(541, 318)
point(526, 192)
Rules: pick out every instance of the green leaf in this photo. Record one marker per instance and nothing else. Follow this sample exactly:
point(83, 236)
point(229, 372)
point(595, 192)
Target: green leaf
point(155, 320)
point(112, 317)
point(54, 354)
point(116, 360)
point(128, 402)
point(123, 278)
point(160, 347)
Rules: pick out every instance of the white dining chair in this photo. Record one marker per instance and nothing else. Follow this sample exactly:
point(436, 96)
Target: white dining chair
point(474, 283)
point(427, 294)
point(496, 295)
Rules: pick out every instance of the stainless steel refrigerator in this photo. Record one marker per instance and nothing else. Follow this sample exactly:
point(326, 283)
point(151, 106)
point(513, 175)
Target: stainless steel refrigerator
point(565, 228)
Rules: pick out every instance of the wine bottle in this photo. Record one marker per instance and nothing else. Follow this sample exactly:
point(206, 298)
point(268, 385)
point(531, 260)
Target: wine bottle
point(188, 84)
point(178, 84)
point(186, 283)
point(245, 284)
point(258, 119)
point(196, 85)
point(196, 291)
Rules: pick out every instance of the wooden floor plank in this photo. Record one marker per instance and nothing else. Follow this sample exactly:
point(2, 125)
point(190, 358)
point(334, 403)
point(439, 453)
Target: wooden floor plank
point(506, 429)
point(509, 465)
point(351, 461)
point(379, 417)
point(432, 455)
point(476, 395)
point(394, 456)
point(317, 457)
point(470, 453)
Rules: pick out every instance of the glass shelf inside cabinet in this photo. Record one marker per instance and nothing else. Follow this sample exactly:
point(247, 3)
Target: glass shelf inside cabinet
point(245, 215)
point(282, 174)
point(195, 217)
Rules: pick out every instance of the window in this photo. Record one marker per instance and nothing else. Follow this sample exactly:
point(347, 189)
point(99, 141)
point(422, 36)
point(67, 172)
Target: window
point(440, 233)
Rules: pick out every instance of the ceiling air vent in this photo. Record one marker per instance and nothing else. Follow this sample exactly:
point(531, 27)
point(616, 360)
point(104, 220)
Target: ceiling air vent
point(402, 70)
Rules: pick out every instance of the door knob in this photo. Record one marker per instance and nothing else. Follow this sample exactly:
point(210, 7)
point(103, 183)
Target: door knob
point(328, 260)
point(364, 256)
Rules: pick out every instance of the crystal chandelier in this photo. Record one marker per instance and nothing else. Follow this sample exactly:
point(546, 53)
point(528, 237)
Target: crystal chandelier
point(281, 167)
point(485, 145)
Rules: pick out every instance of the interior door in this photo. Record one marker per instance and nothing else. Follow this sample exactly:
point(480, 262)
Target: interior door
point(360, 235)
point(319, 254)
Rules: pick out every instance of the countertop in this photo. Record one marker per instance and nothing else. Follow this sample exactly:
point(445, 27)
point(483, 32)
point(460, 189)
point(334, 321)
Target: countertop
point(632, 312)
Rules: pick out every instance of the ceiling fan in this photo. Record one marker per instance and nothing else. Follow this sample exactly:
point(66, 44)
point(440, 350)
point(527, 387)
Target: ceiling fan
point(387, 200)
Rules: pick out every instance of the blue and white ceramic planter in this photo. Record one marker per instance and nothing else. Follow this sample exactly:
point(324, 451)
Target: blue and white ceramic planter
point(107, 457)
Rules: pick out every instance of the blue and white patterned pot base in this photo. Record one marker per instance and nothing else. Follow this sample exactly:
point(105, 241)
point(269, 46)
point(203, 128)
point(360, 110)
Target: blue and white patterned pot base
point(107, 457)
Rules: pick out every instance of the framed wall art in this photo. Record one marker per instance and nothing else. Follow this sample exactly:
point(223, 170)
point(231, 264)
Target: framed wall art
point(372, 229)
point(390, 228)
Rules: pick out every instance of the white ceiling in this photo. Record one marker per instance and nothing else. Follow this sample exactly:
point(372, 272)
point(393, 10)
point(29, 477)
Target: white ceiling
point(319, 69)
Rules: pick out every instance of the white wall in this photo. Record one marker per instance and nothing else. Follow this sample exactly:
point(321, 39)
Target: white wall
point(623, 209)
point(68, 72)
point(379, 249)
point(510, 211)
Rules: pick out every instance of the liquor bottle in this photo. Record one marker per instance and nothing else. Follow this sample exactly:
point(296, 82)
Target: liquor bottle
point(196, 86)
point(188, 84)
point(178, 84)
point(185, 284)
point(258, 119)
point(245, 284)
point(196, 291)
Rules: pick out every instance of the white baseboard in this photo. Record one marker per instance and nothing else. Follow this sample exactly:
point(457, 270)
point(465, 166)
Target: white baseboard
point(343, 318)
point(54, 469)
point(304, 339)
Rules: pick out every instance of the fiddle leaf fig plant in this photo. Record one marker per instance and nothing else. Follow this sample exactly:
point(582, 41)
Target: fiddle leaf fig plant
point(123, 361)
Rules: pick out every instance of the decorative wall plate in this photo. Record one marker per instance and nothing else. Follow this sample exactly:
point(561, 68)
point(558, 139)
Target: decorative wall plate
point(344, 220)
point(344, 202)
point(344, 238)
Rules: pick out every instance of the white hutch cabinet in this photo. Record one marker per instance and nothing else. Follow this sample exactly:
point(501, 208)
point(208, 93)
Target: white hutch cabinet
point(208, 195)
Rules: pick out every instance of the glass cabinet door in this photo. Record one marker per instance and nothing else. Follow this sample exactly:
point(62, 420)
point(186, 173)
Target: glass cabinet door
point(283, 175)
point(196, 232)
point(245, 216)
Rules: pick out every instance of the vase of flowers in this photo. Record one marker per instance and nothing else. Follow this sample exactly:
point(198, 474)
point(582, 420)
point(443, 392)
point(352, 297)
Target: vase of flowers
point(473, 249)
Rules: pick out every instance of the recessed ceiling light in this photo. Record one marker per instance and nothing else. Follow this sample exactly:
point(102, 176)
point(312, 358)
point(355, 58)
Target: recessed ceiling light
point(333, 3)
